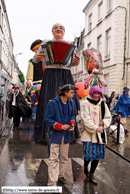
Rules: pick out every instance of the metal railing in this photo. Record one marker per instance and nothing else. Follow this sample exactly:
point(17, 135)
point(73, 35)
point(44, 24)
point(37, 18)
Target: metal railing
point(118, 126)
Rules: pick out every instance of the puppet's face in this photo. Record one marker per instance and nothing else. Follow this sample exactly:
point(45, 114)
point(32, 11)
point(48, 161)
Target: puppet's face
point(35, 51)
point(58, 31)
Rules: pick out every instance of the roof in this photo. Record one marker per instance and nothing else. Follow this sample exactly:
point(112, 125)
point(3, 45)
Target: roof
point(87, 5)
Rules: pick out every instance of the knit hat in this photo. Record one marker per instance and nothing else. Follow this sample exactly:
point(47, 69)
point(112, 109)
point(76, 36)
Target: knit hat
point(95, 89)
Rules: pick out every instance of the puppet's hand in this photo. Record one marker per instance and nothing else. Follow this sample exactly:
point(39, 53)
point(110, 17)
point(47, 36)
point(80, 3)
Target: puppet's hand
point(40, 56)
point(76, 59)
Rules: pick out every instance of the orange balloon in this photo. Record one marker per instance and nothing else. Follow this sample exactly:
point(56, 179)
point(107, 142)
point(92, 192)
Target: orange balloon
point(81, 91)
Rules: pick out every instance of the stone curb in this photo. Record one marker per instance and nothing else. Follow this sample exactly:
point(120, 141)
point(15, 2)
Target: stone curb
point(117, 153)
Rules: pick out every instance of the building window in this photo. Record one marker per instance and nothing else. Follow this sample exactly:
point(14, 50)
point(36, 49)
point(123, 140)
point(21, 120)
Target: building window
point(106, 77)
point(100, 11)
point(109, 5)
point(82, 38)
point(90, 22)
point(99, 42)
point(89, 45)
point(108, 42)
point(82, 63)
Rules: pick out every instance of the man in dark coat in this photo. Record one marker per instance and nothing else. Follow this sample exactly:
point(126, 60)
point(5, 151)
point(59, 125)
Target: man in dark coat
point(18, 107)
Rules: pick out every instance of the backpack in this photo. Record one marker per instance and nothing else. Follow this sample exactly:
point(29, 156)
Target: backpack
point(79, 122)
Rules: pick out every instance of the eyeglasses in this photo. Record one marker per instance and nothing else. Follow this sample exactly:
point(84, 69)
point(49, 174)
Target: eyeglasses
point(58, 27)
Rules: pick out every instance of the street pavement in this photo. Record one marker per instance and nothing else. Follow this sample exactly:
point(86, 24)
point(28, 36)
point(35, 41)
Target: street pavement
point(122, 149)
point(25, 163)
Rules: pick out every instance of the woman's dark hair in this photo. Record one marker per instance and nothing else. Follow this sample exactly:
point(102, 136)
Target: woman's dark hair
point(112, 93)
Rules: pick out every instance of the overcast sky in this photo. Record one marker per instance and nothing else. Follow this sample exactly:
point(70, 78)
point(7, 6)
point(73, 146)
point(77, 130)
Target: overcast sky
point(33, 19)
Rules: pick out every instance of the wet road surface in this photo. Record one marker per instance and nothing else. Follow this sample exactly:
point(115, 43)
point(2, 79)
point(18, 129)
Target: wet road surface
point(123, 149)
point(24, 163)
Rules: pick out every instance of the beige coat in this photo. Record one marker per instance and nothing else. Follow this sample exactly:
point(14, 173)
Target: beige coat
point(90, 115)
point(113, 103)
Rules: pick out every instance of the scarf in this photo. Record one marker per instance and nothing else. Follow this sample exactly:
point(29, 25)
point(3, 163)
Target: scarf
point(102, 115)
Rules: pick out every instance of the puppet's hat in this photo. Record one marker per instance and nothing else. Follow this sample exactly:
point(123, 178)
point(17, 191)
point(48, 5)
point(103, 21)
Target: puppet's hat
point(35, 44)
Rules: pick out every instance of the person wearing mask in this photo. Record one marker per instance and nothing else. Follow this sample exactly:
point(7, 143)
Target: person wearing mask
point(61, 121)
point(96, 118)
point(18, 107)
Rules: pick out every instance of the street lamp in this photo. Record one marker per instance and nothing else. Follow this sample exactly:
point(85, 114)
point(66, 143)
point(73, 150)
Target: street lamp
point(15, 61)
point(16, 56)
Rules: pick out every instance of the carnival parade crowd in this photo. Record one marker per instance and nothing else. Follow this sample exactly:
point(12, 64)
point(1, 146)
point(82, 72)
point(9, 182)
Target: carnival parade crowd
point(58, 105)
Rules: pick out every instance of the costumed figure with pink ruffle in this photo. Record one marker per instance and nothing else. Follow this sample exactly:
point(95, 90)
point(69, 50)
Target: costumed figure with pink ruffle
point(94, 67)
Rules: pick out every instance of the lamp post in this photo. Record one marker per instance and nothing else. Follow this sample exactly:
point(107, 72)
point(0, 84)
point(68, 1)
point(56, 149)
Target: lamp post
point(15, 74)
point(16, 56)
point(15, 59)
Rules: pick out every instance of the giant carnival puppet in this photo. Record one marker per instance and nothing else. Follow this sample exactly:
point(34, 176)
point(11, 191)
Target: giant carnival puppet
point(58, 57)
point(34, 71)
point(94, 68)
point(34, 79)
